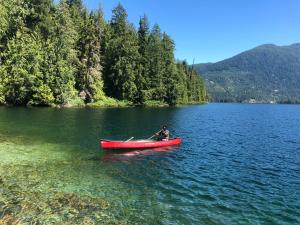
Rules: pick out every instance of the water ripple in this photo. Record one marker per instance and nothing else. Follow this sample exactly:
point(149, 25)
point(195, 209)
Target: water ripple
point(238, 164)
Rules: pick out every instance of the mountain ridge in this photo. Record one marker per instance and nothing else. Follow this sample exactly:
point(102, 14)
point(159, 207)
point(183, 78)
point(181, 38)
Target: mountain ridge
point(266, 73)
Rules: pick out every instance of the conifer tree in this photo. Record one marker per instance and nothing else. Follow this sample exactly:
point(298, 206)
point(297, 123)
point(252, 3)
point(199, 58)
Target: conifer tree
point(143, 79)
point(121, 57)
point(77, 12)
point(63, 57)
point(88, 80)
point(170, 71)
point(54, 53)
point(17, 12)
point(38, 14)
point(157, 89)
point(23, 78)
point(4, 19)
point(182, 68)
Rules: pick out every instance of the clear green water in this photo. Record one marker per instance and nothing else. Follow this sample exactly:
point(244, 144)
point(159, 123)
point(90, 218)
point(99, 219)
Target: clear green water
point(238, 164)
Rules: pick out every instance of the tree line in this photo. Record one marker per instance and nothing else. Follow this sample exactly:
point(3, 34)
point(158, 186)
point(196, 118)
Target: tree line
point(64, 54)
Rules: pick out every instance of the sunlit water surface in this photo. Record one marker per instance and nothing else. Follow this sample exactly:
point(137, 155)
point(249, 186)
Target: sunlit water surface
point(238, 164)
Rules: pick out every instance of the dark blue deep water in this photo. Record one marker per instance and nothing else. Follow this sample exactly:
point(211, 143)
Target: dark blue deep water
point(238, 163)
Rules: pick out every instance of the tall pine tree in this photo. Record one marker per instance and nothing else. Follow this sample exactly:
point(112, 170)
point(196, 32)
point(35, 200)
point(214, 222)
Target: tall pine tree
point(143, 79)
point(53, 53)
point(170, 75)
point(62, 56)
point(23, 78)
point(88, 79)
point(121, 57)
point(157, 88)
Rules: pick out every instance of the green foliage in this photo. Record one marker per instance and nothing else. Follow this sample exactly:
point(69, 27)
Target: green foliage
point(157, 88)
point(22, 78)
point(182, 70)
point(63, 54)
point(38, 13)
point(88, 77)
point(42, 94)
point(3, 18)
point(170, 73)
point(142, 78)
point(121, 58)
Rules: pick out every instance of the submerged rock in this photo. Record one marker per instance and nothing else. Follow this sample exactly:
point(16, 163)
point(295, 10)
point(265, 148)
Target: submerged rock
point(21, 206)
point(9, 220)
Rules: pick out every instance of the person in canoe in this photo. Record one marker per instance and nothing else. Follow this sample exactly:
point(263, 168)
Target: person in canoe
point(163, 134)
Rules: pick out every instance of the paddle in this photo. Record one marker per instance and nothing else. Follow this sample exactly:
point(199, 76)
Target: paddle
point(154, 135)
point(129, 139)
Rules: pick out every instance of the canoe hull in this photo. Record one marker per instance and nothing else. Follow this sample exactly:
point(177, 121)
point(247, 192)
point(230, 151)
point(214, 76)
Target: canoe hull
point(139, 144)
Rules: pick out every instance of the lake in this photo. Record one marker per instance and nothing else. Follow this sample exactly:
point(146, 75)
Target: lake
point(238, 164)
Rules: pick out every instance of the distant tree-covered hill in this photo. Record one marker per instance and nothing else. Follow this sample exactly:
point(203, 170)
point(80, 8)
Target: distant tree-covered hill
point(266, 73)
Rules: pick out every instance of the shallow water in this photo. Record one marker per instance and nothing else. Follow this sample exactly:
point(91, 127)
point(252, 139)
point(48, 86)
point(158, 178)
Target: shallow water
point(238, 164)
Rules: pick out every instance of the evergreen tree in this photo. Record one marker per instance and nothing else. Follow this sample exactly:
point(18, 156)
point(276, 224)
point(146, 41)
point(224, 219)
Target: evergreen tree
point(182, 68)
point(170, 70)
point(38, 14)
point(12, 18)
point(100, 26)
point(4, 19)
point(143, 34)
point(77, 12)
point(22, 76)
point(143, 79)
point(157, 89)
point(121, 57)
point(88, 80)
point(54, 53)
point(18, 11)
point(62, 55)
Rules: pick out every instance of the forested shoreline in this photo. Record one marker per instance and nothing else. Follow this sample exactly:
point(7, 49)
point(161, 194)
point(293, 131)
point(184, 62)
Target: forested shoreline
point(64, 54)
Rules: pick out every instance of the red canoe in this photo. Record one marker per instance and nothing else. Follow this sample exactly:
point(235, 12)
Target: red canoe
point(138, 144)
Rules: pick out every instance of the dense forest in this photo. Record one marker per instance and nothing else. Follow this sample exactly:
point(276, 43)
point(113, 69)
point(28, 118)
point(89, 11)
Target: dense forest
point(267, 73)
point(64, 54)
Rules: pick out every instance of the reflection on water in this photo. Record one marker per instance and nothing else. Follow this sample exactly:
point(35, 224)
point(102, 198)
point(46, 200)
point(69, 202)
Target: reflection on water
point(238, 164)
point(125, 155)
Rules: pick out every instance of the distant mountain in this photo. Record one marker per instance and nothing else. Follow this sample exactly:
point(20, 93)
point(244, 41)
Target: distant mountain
point(267, 73)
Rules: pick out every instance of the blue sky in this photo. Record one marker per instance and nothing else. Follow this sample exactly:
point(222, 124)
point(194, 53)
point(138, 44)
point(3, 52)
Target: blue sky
point(212, 30)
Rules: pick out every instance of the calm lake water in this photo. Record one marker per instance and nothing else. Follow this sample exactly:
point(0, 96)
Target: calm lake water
point(238, 163)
